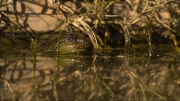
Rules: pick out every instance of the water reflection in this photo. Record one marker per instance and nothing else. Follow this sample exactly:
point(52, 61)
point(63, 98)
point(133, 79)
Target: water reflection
point(79, 77)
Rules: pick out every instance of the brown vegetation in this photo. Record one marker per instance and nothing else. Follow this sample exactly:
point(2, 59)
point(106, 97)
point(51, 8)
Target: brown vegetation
point(106, 21)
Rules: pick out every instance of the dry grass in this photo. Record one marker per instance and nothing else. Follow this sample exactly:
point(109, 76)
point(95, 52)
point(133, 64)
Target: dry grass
point(144, 15)
point(129, 17)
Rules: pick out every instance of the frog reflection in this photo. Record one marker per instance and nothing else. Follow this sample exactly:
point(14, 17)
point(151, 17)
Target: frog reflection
point(73, 63)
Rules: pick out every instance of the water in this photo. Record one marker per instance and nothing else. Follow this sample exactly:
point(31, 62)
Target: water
point(115, 76)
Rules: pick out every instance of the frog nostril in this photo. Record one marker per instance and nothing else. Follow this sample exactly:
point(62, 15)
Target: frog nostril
point(70, 38)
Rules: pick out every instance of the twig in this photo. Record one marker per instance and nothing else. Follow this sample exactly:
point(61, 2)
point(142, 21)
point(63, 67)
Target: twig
point(157, 18)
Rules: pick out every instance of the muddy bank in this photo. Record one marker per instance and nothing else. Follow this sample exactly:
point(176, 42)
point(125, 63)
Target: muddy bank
point(44, 16)
point(106, 23)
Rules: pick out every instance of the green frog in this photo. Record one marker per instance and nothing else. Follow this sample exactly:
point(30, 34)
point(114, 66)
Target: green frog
point(70, 40)
point(74, 42)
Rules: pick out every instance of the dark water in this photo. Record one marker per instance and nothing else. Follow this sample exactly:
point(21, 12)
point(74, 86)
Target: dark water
point(103, 76)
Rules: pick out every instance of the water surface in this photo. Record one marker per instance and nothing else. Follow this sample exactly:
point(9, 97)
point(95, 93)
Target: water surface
point(137, 75)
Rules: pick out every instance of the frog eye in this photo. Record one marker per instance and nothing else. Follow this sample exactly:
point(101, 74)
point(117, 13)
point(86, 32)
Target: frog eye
point(70, 38)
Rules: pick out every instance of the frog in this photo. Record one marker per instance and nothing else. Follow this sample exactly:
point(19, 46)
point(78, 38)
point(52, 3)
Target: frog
point(71, 40)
